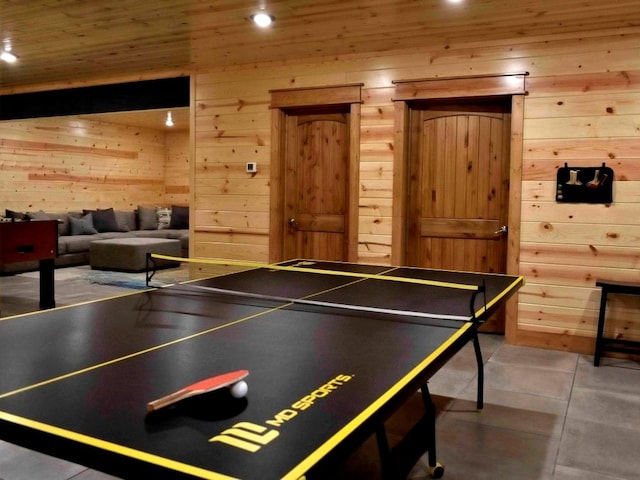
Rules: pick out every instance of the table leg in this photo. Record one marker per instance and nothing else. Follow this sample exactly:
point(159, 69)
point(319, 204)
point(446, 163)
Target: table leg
point(386, 460)
point(436, 470)
point(47, 290)
point(480, 363)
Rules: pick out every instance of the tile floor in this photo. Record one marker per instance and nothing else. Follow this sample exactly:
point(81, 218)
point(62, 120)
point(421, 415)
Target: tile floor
point(547, 415)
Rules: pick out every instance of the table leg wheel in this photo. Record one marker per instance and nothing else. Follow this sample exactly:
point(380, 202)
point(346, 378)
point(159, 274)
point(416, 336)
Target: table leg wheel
point(436, 471)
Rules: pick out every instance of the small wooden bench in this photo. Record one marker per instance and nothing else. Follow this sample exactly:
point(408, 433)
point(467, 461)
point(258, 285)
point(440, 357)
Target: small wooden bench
point(613, 344)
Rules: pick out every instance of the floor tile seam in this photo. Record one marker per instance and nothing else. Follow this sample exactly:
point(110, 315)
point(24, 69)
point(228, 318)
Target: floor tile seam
point(534, 367)
point(626, 427)
point(609, 391)
point(550, 436)
point(533, 394)
point(472, 382)
point(516, 351)
point(486, 361)
point(521, 349)
point(609, 475)
point(79, 474)
point(450, 408)
point(629, 367)
point(606, 361)
point(566, 413)
point(633, 368)
point(493, 350)
point(530, 409)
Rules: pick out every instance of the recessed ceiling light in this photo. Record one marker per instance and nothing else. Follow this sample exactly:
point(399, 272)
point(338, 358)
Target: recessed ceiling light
point(169, 121)
point(262, 19)
point(8, 57)
point(6, 54)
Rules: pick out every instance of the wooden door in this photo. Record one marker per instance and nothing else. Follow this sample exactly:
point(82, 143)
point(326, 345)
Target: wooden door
point(316, 184)
point(458, 189)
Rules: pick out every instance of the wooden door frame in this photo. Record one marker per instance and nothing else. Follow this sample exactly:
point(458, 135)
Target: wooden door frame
point(284, 100)
point(461, 88)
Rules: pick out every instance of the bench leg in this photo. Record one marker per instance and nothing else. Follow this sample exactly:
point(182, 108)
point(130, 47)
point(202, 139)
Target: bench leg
point(600, 334)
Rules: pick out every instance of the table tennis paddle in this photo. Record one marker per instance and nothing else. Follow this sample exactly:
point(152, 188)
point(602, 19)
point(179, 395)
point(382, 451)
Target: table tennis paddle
point(232, 379)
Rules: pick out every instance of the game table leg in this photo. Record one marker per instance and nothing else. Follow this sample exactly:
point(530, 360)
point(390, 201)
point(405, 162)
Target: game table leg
point(436, 469)
point(150, 270)
point(396, 462)
point(386, 460)
point(478, 352)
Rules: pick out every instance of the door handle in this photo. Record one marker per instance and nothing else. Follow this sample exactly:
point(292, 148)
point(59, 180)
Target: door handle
point(292, 223)
point(503, 230)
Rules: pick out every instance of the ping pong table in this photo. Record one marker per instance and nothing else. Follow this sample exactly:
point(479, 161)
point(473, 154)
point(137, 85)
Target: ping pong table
point(75, 380)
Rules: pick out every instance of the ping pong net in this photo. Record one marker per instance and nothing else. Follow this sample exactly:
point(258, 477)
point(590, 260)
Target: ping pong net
point(400, 295)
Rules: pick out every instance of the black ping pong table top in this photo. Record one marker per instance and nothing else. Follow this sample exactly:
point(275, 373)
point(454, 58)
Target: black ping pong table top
point(76, 379)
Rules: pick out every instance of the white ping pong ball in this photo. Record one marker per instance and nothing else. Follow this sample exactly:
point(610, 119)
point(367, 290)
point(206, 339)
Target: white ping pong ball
point(239, 389)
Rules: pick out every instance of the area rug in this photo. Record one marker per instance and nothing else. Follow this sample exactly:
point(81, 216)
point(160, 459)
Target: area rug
point(136, 281)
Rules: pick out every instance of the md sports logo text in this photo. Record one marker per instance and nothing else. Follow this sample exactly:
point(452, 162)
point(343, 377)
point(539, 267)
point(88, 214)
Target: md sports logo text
point(251, 436)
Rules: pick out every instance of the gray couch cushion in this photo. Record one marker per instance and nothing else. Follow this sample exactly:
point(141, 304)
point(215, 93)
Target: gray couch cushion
point(126, 220)
point(39, 215)
point(80, 243)
point(147, 218)
point(182, 235)
point(107, 235)
point(62, 246)
point(151, 233)
point(64, 225)
point(76, 243)
point(8, 213)
point(104, 220)
point(62, 217)
point(82, 226)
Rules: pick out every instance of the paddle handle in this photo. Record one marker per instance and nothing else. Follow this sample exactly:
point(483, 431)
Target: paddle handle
point(168, 400)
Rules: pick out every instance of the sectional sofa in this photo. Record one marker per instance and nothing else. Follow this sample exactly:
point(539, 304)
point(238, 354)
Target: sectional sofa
point(77, 229)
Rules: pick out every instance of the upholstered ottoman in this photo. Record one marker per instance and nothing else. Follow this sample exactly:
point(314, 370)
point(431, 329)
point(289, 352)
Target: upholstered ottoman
point(130, 254)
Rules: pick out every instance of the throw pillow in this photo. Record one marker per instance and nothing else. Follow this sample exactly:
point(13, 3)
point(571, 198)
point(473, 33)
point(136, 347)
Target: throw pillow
point(63, 227)
point(63, 222)
point(164, 217)
point(126, 220)
point(15, 215)
point(148, 218)
point(179, 217)
point(104, 220)
point(82, 226)
point(39, 215)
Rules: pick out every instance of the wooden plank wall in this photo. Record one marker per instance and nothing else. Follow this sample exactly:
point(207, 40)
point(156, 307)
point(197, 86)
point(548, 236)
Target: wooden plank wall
point(70, 163)
point(583, 120)
point(176, 172)
point(583, 107)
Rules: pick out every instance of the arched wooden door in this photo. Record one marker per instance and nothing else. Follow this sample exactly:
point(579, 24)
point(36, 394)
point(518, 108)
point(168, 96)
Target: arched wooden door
point(316, 184)
point(458, 153)
point(315, 137)
point(458, 186)
point(458, 189)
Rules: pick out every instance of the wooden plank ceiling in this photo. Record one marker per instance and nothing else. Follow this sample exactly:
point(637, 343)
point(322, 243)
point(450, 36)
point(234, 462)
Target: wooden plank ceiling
point(63, 41)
